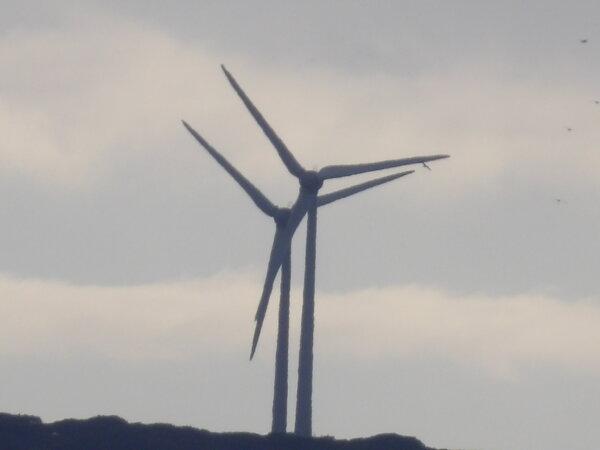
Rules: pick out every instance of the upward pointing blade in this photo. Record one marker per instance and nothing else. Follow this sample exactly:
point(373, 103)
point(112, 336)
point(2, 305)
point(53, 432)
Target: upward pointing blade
point(281, 246)
point(355, 169)
point(258, 197)
point(286, 156)
point(343, 193)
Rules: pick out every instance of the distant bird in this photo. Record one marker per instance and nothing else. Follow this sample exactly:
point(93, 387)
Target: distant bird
point(426, 166)
point(583, 41)
point(597, 102)
point(559, 201)
point(569, 129)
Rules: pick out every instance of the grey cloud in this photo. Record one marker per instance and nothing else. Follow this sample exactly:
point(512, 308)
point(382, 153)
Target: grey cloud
point(402, 37)
point(483, 221)
point(497, 243)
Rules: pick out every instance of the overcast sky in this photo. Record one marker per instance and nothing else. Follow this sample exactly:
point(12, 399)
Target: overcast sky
point(460, 305)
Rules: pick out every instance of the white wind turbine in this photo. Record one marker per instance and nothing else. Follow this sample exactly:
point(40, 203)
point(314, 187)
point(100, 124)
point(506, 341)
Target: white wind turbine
point(281, 218)
point(306, 203)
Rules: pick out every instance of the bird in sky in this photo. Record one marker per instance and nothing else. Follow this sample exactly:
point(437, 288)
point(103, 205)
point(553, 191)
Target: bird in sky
point(426, 166)
point(559, 201)
point(583, 41)
point(569, 129)
point(597, 102)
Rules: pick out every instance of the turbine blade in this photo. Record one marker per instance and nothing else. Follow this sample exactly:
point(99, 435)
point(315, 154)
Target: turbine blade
point(286, 156)
point(343, 193)
point(354, 169)
point(278, 250)
point(281, 247)
point(257, 197)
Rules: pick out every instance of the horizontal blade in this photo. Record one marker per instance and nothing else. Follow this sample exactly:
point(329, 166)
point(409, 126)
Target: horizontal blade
point(281, 246)
point(343, 193)
point(286, 156)
point(258, 197)
point(354, 169)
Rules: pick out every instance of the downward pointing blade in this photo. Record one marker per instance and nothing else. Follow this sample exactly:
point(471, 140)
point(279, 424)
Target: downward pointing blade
point(258, 197)
point(286, 156)
point(281, 246)
point(355, 169)
point(343, 193)
point(278, 250)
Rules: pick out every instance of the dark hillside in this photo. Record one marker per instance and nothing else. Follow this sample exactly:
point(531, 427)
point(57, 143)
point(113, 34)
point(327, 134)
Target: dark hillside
point(113, 433)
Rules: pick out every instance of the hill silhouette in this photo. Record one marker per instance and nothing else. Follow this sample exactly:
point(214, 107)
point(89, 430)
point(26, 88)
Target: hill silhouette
point(22, 432)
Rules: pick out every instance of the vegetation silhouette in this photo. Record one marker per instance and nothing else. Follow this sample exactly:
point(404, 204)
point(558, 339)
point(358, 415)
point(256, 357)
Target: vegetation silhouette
point(22, 432)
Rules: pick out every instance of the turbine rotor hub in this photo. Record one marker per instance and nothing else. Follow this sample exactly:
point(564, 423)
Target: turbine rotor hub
point(311, 181)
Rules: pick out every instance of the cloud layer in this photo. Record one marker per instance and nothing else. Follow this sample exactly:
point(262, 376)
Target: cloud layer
point(501, 336)
point(84, 99)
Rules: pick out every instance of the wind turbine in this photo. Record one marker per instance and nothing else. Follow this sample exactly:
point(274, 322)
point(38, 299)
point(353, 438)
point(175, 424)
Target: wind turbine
point(281, 217)
point(310, 184)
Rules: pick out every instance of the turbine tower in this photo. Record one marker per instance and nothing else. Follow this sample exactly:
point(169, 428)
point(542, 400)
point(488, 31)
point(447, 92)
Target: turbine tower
point(310, 184)
point(281, 216)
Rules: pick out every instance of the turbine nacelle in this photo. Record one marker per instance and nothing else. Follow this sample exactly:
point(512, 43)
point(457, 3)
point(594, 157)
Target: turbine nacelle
point(282, 217)
point(311, 181)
